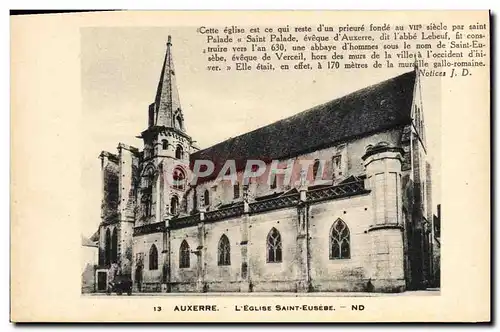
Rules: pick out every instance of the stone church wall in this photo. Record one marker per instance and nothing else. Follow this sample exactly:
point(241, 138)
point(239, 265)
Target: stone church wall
point(273, 276)
point(340, 274)
point(183, 279)
point(151, 279)
point(223, 278)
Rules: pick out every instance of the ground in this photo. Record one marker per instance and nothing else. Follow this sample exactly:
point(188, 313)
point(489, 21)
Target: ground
point(428, 292)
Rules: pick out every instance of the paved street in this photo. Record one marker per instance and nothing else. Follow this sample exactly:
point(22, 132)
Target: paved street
point(429, 292)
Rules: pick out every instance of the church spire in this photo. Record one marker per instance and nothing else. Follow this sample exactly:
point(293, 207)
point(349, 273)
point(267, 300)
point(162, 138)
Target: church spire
point(167, 106)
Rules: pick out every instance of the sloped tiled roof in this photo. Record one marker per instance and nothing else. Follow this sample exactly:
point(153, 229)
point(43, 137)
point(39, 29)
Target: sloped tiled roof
point(378, 107)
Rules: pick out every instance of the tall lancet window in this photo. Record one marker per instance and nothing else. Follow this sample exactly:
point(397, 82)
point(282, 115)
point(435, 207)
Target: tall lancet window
point(153, 258)
point(340, 246)
point(107, 247)
point(274, 246)
point(206, 198)
point(184, 255)
point(224, 251)
point(114, 246)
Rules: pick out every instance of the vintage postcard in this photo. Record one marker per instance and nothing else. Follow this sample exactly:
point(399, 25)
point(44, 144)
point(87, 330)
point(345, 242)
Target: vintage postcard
point(251, 167)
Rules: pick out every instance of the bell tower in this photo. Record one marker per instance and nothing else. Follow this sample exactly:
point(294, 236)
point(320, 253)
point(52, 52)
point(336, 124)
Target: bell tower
point(166, 150)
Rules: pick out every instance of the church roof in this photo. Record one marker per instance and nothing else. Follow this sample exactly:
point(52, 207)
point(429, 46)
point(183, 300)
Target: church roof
point(378, 107)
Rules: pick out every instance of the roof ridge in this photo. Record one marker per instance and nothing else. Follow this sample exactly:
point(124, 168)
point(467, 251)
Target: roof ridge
point(381, 106)
point(311, 109)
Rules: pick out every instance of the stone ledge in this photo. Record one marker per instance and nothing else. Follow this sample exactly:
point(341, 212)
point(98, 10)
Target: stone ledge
point(384, 226)
point(149, 229)
point(381, 149)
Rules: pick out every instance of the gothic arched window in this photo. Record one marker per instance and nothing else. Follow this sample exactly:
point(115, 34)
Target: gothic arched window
point(274, 247)
point(114, 246)
point(206, 197)
point(224, 251)
point(236, 190)
point(153, 258)
point(107, 247)
point(179, 179)
point(164, 144)
point(184, 255)
point(174, 205)
point(340, 246)
point(179, 152)
point(315, 169)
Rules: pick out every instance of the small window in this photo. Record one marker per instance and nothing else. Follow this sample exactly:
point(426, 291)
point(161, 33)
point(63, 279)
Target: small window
point(179, 152)
point(174, 205)
point(236, 190)
point(153, 258)
point(184, 255)
point(315, 169)
point(224, 251)
point(164, 144)
point(337, 161)
point(274, 253)
point(206, 198)
point(340, 246)
point(336, 166)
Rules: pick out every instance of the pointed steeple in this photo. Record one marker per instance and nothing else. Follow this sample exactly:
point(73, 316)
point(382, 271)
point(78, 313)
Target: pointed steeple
point(167, 106)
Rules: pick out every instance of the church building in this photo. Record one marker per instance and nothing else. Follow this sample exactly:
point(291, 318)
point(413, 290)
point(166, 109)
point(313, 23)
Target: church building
point(365, 227)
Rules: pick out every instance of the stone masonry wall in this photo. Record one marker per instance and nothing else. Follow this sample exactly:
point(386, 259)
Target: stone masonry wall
point(341, 274)
point(151, 279)
point(266, 276)
point(183, 279)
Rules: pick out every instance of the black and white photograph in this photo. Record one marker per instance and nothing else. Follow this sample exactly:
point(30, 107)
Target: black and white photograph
point(207, 193)
point(251, 167)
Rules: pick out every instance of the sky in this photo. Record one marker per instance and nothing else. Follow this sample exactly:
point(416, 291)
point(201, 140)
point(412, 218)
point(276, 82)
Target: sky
point(120, 69)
